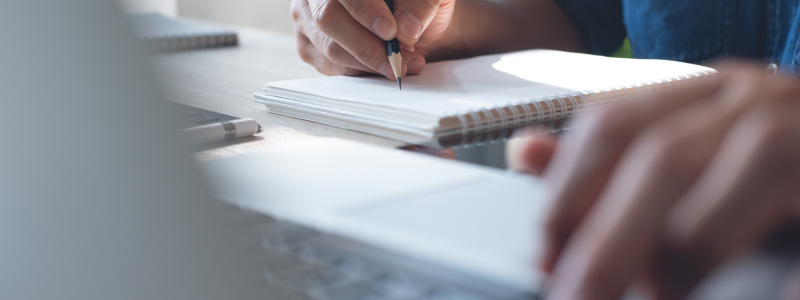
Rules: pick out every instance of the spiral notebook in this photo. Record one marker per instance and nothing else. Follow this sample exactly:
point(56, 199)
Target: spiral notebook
point(161, 33)
point(476, 100)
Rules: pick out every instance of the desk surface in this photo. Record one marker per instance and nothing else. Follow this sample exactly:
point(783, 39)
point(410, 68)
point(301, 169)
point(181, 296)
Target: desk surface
point(224, 79)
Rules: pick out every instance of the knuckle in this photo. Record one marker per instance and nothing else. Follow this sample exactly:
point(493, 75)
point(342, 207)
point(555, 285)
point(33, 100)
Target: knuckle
point(360, 8)
point(304, 54)
point(298, 27)
point(295, 10)
point(325, 70)
point(302, 48)
point(431, 4)
point(777, 138)
point(299, 33)
point(328, 46)
point(335, 53)
point(327, 16)
point(369, 54)
point(664, 149)
point(420, 8)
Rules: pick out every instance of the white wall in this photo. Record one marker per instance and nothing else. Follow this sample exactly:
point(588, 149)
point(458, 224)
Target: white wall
point(166, 7)
point(265, 14)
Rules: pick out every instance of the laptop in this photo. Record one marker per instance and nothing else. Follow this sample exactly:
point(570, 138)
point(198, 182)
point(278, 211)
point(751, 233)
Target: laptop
point(345, 220)
point(338, 219)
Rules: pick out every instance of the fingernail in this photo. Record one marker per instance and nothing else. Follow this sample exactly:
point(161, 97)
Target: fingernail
point(416, 64)
point(409, 24)
point(383, 28)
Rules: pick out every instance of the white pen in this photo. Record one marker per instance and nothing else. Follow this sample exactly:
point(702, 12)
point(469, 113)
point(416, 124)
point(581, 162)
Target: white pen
point(218, 132)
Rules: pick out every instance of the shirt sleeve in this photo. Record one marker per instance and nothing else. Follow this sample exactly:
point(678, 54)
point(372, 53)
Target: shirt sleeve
point(599, 21)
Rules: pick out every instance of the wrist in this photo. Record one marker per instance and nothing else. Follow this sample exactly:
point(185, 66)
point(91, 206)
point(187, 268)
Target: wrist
point(480, 27)
point(476, 27)
point(450, 46)
point(449, 42)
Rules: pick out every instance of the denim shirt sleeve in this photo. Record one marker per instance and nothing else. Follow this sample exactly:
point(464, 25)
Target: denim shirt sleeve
point(784, 37)
point(599, 21)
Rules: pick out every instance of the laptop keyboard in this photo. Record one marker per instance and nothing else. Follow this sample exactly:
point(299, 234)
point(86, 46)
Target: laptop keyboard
point(326, 267)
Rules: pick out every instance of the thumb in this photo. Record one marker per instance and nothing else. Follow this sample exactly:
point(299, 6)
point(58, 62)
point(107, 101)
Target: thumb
point(414, 62)
point(414, 16)
point(531, 155)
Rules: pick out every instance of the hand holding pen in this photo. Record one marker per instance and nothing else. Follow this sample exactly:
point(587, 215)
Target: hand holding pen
point(348, 37)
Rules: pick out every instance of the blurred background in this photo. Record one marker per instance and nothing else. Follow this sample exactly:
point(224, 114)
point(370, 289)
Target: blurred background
point(263, 14)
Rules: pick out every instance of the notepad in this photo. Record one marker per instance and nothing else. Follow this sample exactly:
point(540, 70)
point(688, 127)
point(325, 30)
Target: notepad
point(476, 100)
point(161, 33)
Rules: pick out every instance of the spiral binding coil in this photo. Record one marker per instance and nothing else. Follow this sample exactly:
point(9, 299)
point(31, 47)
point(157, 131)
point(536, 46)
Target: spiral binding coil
point(170, 42)
point(478, 126)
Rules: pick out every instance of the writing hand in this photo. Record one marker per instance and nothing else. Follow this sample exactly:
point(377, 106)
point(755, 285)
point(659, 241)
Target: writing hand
point(346, 37)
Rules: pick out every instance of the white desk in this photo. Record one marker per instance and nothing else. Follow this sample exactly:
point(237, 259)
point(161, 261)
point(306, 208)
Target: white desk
point(224, 79)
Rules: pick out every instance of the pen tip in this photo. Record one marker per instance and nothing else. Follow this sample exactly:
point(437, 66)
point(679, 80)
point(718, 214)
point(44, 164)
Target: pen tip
point(399, 85)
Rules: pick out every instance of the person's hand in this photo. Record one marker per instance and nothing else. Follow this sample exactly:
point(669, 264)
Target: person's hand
point(660, 192)
point(346, 37)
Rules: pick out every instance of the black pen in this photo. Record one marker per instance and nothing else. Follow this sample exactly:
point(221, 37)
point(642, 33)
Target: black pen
point(393, 51)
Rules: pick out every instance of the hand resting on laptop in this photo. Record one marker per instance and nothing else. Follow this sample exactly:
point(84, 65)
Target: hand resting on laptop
point(662, 192)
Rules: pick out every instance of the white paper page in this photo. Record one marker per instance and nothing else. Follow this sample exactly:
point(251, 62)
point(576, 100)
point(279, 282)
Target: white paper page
point(445, 88)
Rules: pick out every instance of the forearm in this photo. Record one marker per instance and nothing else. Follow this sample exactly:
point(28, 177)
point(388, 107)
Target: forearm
point(495, 26)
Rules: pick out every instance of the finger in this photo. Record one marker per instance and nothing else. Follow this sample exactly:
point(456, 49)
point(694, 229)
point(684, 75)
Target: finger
point(748, 189)
point(620, 234)
point(373, 15)
point(414, 16)
point(579, 173)
point(531, 155)
point(336, 25)
point(310, 54)
point(414, 62)
point(326, 46)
